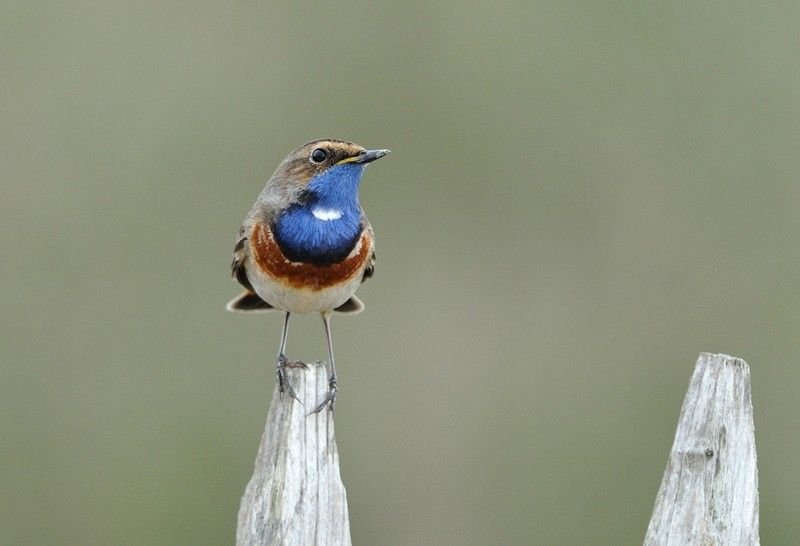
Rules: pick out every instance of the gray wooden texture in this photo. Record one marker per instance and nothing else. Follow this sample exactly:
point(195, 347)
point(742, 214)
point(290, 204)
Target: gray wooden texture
point(709, 493)
point(296, 495)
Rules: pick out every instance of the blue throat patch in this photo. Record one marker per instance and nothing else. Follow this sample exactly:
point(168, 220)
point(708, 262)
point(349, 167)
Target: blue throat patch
point(303, 237)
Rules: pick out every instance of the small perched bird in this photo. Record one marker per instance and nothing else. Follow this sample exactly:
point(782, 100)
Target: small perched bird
point(306, 244)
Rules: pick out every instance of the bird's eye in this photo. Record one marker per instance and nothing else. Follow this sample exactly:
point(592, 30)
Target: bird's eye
point(319, 155)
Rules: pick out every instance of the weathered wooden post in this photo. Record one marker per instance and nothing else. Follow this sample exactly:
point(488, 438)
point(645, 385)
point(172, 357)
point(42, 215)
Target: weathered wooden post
point(296, 495)
point(709, 493)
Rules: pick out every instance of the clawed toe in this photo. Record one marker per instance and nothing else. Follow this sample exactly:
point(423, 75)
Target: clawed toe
point(330, 398)
point(283, 381)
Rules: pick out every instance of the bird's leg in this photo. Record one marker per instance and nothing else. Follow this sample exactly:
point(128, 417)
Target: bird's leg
point(283, 381)
point(330, 398)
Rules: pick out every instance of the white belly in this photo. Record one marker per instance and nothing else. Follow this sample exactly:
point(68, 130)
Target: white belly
point(303, 300)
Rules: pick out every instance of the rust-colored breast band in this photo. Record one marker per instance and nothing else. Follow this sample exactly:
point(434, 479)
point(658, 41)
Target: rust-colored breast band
point(271, 261)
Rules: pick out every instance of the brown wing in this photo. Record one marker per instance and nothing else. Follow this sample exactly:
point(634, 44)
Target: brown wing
point(238, 270)
point(354, 306)
point(370, 269)
point(248, 301)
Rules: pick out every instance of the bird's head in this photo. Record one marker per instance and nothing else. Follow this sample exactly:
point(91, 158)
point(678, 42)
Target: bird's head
point(312, 200)
point(325, 171)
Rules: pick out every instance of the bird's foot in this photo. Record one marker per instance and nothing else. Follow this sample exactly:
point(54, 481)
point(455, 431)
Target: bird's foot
point(330, 398)
point(283, 379)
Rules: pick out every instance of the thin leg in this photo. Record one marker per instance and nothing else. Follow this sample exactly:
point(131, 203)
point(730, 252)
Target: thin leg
point(330, 399)
point(281, 352)
point(283, 381)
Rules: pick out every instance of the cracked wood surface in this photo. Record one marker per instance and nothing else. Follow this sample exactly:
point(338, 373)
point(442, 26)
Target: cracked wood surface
point(709, 493)
point(296, 495)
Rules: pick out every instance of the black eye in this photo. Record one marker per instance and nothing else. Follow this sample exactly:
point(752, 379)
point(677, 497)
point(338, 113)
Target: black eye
point(319, 155)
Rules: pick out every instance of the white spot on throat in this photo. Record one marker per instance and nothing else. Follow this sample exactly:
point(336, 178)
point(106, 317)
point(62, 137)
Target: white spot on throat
point(326, 214)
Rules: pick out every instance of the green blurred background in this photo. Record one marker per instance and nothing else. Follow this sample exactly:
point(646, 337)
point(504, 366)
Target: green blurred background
point(582, 197)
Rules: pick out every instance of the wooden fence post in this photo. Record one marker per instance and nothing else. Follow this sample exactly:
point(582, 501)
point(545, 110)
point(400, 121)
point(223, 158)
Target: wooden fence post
point(296, 495)
point(709, 493)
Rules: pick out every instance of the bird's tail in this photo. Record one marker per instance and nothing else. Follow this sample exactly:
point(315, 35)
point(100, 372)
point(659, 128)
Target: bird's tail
point(249, 302)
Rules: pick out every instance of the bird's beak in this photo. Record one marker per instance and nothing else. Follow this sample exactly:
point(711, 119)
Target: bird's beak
point(365, 157)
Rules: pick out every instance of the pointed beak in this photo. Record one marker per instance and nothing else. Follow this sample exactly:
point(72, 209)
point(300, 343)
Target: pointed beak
point(367, 156)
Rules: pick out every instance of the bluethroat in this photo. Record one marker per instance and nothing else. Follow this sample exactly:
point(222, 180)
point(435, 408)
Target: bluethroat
point(306, 244)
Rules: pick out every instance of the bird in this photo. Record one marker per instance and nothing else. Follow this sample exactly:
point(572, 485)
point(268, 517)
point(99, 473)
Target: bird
point(306, 244)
